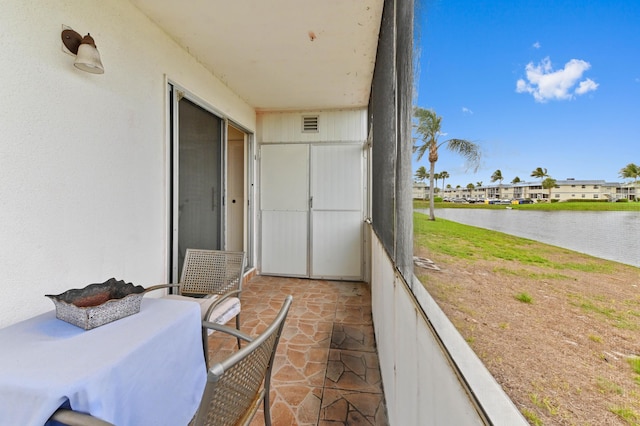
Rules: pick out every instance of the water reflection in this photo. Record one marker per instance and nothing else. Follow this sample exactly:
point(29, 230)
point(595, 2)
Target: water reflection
point(608, 235)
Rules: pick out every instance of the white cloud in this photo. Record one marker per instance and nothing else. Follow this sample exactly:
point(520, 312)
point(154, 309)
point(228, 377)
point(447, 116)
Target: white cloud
point(537, 45)
point(467, 110)
point(546, 84)
point(585, 86)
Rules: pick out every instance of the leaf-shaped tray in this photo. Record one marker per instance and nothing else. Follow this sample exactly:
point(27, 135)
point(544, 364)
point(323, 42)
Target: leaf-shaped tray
point(98, 304)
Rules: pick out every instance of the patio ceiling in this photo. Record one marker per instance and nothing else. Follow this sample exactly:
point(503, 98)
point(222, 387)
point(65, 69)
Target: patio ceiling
point(279, 54)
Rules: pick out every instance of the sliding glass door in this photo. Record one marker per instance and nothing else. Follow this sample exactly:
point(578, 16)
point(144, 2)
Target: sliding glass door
point(197, 181)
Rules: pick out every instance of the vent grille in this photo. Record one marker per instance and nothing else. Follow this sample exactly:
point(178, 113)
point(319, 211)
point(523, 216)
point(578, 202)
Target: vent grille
point(310, 124)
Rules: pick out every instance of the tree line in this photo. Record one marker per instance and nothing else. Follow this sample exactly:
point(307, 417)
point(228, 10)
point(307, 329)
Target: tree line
point(427, 126)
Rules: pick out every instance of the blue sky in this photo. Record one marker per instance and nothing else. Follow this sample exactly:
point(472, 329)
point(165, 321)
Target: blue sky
point(536, 83)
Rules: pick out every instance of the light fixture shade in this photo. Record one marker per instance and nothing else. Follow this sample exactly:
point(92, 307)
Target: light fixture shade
point(88, 58)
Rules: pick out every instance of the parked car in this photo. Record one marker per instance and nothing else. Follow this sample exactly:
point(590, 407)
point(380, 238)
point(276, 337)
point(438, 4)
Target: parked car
point(522, 201)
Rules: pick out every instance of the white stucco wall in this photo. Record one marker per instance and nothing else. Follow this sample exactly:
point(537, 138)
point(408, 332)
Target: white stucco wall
point(83, 158)
point(417, 353)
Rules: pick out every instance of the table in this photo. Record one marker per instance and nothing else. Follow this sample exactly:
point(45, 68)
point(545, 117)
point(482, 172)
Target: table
point(145, 369)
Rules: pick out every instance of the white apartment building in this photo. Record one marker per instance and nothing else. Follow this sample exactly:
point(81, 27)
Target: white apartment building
point(565, 190)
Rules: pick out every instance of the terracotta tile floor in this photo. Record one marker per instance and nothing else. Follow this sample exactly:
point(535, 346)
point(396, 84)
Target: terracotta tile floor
point(326, 369)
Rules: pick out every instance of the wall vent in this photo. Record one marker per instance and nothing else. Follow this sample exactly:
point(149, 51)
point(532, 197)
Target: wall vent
point(310, 124)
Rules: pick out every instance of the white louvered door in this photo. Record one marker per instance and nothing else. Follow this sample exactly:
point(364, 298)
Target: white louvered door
point(284, 207)
point(336, 211)
point(311, 210)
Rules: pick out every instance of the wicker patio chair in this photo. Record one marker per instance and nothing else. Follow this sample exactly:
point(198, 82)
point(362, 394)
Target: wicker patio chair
point(236, 386)
point(213, 278)
point(74, 418)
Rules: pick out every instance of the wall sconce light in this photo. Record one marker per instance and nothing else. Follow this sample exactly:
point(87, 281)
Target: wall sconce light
point(87, 56)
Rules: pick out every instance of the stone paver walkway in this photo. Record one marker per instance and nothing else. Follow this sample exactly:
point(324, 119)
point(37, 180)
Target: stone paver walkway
point(326, 369)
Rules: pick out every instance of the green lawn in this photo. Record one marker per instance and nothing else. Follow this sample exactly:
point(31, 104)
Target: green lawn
point(472, 243)
point(582, 206)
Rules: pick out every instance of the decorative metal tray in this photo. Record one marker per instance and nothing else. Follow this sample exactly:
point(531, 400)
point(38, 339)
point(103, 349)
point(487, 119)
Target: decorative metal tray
point(98, 304)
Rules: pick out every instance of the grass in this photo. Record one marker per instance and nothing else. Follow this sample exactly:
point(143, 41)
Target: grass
point(451, 242)
point(626, 414)
point(533, 275)
point(582, 206)
point(544, 403)
point(603, 268)
point(531, 417)
point(634, 362)
point(607, 386)
point(524, 298)
point(595, 338)
point(472, 243)
point(619, 318)
point(468, 242)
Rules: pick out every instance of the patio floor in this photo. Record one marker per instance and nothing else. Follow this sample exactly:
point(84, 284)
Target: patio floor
point(326, 369)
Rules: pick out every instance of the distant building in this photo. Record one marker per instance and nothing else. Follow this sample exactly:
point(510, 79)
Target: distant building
point(420, 191)
point(565, 190)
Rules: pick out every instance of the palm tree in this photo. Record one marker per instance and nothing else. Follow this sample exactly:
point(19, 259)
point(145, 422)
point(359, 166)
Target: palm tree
point(549, 183)
point(429, 130)
point(436, 176)
point(516, 180)
point(497, 176)
point(539, 173)
point(421, 174)
point(630, 171)
point(444, 175)
point(478, 184)
point(470, 188)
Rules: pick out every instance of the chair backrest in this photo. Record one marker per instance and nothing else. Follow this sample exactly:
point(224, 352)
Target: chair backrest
point(212, 271)
point(234, 387)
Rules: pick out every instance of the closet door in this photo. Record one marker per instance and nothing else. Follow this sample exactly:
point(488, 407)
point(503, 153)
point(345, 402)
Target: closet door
point(284, 208)
point(336, 211)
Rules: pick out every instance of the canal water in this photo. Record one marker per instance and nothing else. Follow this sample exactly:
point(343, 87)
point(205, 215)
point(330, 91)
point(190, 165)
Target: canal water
point(608, 235)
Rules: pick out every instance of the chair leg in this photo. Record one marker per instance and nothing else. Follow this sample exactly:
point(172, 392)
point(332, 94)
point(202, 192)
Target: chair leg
point(238, 327)
point(266, 400)
point(205, 346)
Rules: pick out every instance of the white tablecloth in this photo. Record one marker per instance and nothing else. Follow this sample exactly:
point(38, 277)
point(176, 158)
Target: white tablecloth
point(145, 369)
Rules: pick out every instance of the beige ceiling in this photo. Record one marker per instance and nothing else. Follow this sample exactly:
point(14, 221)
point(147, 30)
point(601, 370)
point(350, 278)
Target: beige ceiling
point(279, 54)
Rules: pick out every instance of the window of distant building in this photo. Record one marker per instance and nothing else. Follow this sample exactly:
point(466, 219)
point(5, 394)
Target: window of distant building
point(595, 195)
point(573, 186)
point(595, 186)
point(557, 195)
point(584, 186)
